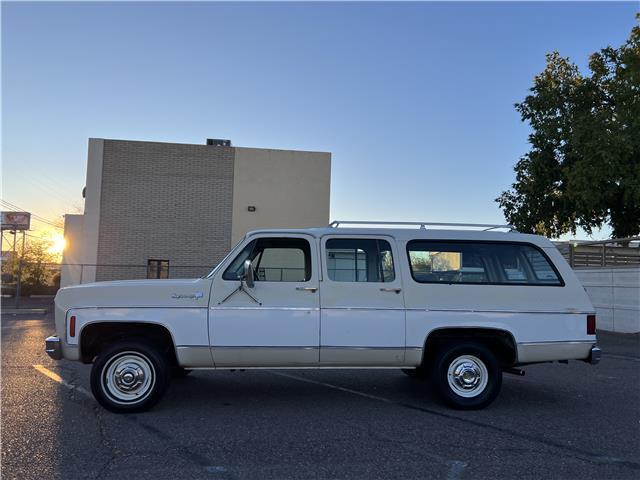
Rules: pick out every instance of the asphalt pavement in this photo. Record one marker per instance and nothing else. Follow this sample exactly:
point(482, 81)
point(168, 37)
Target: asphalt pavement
point(573, 421)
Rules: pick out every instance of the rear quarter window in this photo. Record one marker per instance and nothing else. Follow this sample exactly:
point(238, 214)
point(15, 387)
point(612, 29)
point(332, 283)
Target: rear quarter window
point(477, 262)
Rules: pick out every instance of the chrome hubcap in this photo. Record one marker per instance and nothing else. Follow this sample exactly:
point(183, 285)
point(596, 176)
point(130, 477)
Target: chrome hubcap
point(467, 376)
point(128, 377)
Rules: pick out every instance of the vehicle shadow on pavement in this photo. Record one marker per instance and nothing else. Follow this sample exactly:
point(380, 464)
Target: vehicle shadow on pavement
point(281, 389)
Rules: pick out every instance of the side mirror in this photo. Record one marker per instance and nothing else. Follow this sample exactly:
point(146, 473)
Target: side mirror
point(247, 275)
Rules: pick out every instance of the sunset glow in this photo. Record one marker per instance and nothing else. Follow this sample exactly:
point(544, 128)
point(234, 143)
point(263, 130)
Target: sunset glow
point(58, 243)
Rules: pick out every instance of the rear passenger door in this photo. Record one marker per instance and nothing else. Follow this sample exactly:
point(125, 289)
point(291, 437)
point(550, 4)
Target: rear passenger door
point(362, 319)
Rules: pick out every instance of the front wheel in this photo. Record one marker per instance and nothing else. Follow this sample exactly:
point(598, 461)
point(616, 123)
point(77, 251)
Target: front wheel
point(467, 376)
point(129, 376)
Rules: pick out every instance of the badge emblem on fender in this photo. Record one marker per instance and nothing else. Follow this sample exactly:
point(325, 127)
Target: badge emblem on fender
point(188, 295)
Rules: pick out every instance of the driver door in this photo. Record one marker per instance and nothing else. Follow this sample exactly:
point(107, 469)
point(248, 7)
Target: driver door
point(277, 322)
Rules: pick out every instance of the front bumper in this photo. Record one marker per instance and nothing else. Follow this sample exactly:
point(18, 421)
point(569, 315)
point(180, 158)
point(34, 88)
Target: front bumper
point(594, 356)
point(53, 347)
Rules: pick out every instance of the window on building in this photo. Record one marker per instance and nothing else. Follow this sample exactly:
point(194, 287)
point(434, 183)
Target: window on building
point(157, 268)
point(274, 260)
point(480, 262)
point(359, 260)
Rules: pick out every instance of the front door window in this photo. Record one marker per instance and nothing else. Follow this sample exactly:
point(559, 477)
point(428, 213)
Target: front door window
point(274, 260)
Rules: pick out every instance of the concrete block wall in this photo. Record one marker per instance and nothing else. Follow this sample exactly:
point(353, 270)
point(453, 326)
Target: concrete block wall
point(164, 201)
point(72, 269)
point(187, 204)
point(615, 293)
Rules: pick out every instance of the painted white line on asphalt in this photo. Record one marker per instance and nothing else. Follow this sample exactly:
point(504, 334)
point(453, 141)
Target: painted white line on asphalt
point(335, 387)
point(456, 467)
point(57, 378)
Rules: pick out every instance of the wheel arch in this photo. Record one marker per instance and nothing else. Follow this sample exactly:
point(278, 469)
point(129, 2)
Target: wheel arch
point(500, 341)
point(95, 335)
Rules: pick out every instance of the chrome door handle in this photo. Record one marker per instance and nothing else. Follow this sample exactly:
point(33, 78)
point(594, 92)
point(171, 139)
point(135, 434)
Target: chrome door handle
point(396, 290)
point(307, 289)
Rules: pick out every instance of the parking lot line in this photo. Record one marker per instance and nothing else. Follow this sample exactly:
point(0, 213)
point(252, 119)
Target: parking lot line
point(584, 455)
point(335, 387)
point(456, 467)
point(57, 378)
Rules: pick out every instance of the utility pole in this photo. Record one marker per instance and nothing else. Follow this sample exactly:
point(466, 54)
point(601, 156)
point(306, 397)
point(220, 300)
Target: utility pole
point(12, 222)
point(19, 279)
point(13, 257)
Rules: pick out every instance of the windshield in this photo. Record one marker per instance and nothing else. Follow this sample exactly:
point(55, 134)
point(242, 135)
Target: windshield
point(216, 268)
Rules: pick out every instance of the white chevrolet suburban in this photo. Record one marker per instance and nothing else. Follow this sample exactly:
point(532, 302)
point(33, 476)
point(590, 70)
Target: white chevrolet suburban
point(462, 306)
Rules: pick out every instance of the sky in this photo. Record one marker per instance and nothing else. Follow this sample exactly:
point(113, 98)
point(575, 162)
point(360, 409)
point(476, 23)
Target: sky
point(415, 101)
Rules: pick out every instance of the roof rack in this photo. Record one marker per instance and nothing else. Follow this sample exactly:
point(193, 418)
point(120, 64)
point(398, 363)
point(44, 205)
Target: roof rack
point(423, 225)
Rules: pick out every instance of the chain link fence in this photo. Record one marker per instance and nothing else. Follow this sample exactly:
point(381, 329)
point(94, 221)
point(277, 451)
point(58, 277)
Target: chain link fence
point(28, 279)
point(37, 278)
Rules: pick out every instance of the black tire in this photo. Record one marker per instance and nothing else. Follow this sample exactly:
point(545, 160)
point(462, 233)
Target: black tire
point(467, 392)
point(179, 372)
point(147, 371)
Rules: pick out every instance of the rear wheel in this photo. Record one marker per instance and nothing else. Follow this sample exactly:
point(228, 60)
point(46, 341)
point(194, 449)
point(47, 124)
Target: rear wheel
point(467, 376)
point(129, 376)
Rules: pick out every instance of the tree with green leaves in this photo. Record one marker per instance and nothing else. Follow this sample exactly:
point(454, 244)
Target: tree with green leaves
point(33, 264)
point(583, 168)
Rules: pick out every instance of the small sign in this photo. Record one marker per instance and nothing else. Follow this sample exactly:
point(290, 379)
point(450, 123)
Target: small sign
point(16, 220)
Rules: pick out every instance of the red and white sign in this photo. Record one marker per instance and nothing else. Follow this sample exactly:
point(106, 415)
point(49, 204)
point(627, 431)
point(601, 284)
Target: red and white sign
point(16, 220)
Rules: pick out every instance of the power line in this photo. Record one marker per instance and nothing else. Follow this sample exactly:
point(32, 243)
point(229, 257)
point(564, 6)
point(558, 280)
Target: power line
point(47, 187)
point(35, 236)
point(11, 205)
point(36, 217)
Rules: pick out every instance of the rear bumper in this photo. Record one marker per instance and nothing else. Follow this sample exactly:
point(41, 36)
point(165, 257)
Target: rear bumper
point(594, 356)
point(53, 347)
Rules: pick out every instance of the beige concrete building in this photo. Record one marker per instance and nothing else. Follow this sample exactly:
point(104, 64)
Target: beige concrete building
point(167, 210)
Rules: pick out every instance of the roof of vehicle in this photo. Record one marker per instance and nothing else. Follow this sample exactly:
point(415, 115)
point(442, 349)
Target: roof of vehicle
point(416, 234)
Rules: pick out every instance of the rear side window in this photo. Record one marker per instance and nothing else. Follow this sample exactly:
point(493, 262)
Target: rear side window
point(359, 260)
point(480, 263)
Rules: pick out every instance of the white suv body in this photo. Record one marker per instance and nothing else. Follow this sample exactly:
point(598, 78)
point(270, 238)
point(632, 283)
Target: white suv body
point(423, 300)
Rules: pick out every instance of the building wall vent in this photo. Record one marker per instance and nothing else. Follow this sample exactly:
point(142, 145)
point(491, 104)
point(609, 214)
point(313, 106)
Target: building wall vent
point(218, 142)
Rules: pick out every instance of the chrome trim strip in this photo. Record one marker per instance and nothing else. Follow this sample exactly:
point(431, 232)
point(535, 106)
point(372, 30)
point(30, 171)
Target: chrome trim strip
point(273, 347)
point(304, 309)
point(103, 307)
point(345, 347)
point(363, 308)
point(464, 310)
point(557, 342)
point(327, 366)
